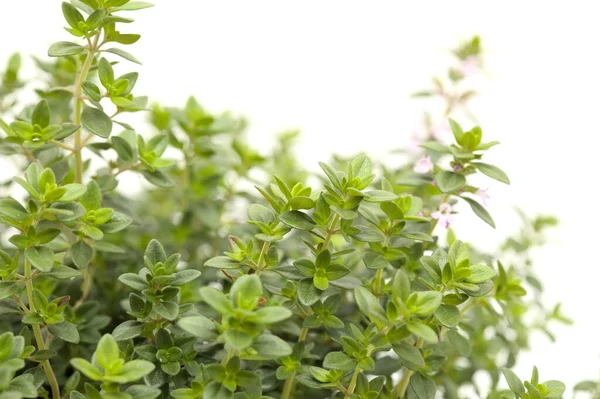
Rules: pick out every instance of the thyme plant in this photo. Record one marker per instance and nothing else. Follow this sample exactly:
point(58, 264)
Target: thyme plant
point(347, 284)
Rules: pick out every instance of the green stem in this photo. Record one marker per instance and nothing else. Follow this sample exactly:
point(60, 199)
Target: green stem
point(352, 385)
point(81, 76)
point(37, 332)
point(330, 232)
point(261, 257)
point(400, 389)
point(378, 278)
point(289, 382)
point(228, 356)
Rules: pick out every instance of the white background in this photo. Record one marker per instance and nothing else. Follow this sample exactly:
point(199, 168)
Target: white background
point(342, 72)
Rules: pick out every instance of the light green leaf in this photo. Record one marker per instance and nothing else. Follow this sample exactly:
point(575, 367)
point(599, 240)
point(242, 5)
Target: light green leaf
point(514, 382)
point(307, 293)
point(449, 181)
point(339, 361)
point(65, 331)
point(492, 171)
point(480, 273)
point(42, 258)
point(422, 330)
point(409, 354)
point(298, 220)
point(480, 211)
point(135, 369)
point(96, 121)
point(271, 346)
point(62, 49)
point(107, 351)
point(199, 326)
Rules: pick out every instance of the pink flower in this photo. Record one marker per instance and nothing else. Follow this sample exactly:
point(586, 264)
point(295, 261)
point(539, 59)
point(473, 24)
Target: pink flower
point(483, 194)
point(444, 215)
point(470, 66)
point(424, 165)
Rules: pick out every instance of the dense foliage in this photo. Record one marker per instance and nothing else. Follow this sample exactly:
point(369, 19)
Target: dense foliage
point(346, 284)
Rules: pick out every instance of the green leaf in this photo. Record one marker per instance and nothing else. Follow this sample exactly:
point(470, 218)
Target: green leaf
point(107, 352)
point(514, 382)
point(217, 300)
point(422, 331)
point(142, 392)
point(199, 326)
point(96, 121)
point(223, 262)
point(554, 389)
point(87, 369)
point(480, 273)
point(492, 171)
point(105, 73)
point(132, 6)
point(458, 342)
point(155, 252)
point(123, 54)
point(321, 282)
point(373, 260)
point(117, 222)
point(447, 315)
point(271, 346)
point(158, 178)
point(134, 281)
point(298, 220)
point(361, 167)
point(272, 314)
point(123, 148)
point(427, 302)
point(410, 354)
point(216, 390)
point(92, 199)
point(238, 340)
point(65, 331)
point(449, 181)
point(127, 330)
point(416, 235)
point(62, 49)
point(379, 196)
point(456, 130)
point(401, 285)
point(72, 15)
point(168, 310)
point(246, 291)
point(41, 114)
point(12, 209)
point(63, 272)
point(331, 174)
point(307, 293)
point(480, 211)
point(369, 305)
point(185, 276)
point(421, 387)
point(435, 146)
point(73, 191)
point(81, 254)
point(368, 234)
point(92, 91)
point(135, 369)
point(339, 361)
point(42, 258)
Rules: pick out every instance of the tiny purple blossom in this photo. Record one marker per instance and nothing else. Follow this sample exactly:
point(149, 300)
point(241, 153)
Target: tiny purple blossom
point(424, 165)
point(470, 66)
point(483, 194)
point(443, 215)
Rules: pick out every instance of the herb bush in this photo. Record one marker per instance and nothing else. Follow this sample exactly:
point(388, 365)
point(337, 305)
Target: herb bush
point(348, 283)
